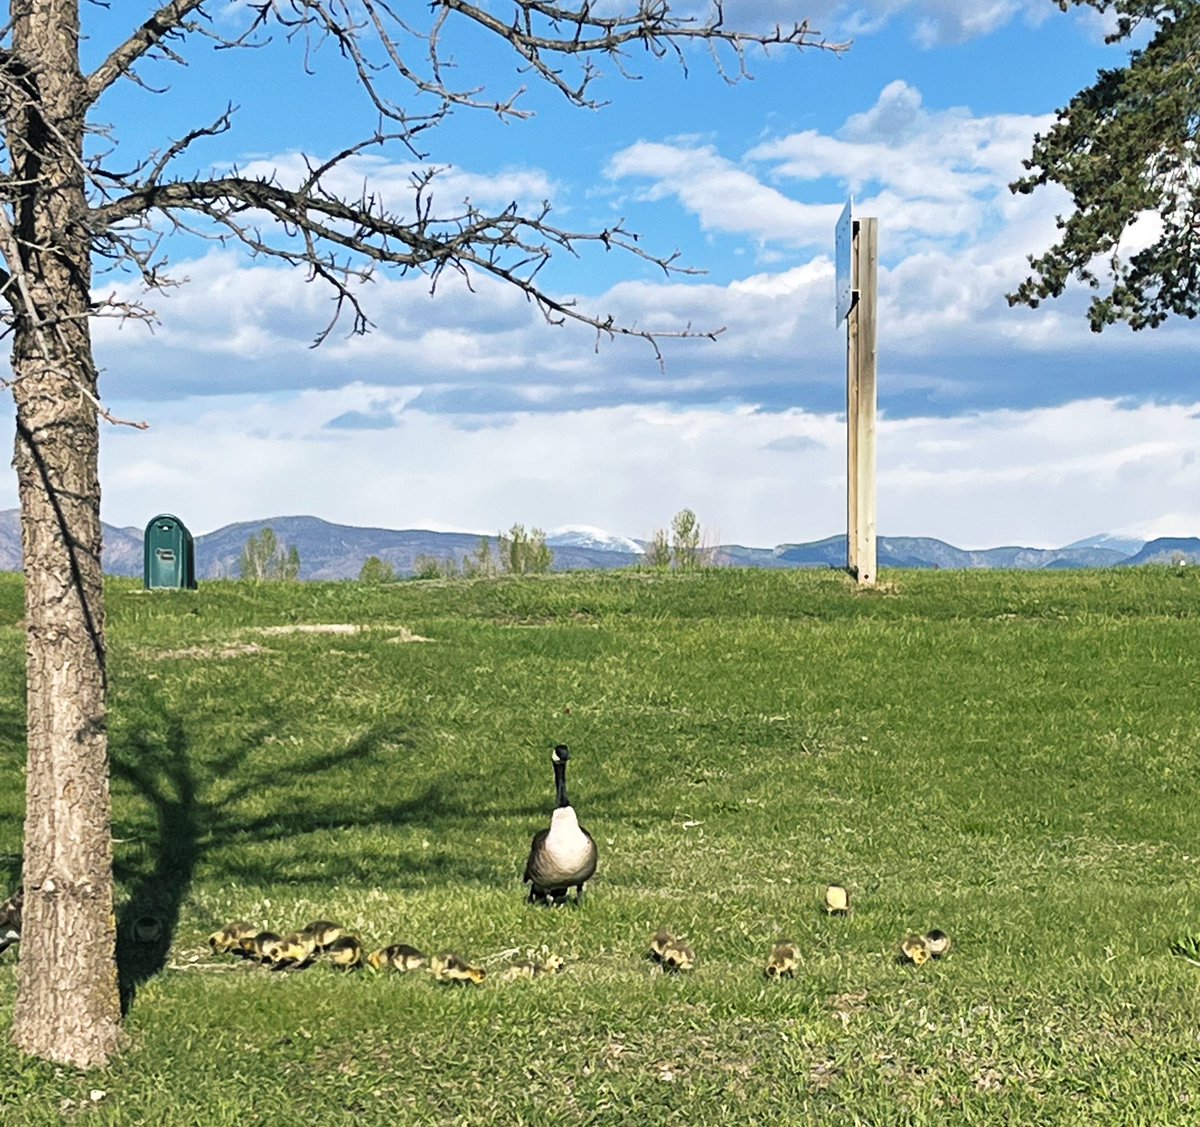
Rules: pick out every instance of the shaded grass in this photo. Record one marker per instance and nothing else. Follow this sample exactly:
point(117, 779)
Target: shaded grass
point(1008, 757)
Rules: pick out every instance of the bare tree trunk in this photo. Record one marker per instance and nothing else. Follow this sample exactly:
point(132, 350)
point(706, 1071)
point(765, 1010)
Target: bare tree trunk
point(68, 1004)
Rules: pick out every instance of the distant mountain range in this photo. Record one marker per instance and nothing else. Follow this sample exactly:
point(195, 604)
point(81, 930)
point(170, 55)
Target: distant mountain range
point(337, 551)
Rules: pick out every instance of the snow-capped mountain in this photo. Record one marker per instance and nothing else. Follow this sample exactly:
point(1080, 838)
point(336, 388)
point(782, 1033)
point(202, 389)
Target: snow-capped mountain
point(1126, 545)
point(586, 536)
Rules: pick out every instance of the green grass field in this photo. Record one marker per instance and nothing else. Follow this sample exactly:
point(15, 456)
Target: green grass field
point(1009, 757)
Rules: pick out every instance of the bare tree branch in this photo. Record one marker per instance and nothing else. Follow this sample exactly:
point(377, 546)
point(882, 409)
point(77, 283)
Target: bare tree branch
point(510, 245)
point(170, 19)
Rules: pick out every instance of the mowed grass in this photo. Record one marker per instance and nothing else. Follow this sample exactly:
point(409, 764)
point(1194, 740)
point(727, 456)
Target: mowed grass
point(1009, 757)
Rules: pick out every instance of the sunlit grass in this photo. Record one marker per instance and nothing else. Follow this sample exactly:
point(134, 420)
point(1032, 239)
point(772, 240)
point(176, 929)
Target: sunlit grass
point(1009, 757)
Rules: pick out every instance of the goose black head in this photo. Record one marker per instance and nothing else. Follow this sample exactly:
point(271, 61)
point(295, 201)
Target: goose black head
point(559, 757)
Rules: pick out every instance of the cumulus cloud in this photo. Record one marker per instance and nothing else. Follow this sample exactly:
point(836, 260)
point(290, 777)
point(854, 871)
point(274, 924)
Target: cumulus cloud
point(926, 175)
point(929, 23)
point(723, 196)
point(1041, 477)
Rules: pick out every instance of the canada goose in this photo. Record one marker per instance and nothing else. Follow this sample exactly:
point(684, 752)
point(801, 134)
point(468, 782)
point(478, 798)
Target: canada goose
point(837, 900)
point(228, 939)
point(324, 933)
point(563, 855)
point(937, 943)
point(914, 949)
point(783, 961)
point(10, 919)
point(455, 969)
point(399, 956)
point(678, 956)
point(345, 952)
point(659, 942)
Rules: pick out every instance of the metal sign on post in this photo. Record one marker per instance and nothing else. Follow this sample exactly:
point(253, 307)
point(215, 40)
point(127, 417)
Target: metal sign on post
point(857, 244)
point(843, 240)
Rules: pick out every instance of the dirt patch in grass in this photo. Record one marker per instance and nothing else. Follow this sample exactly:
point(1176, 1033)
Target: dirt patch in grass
point(399, 634)
point(210, 653)
point(311, 628)
point(402, 634)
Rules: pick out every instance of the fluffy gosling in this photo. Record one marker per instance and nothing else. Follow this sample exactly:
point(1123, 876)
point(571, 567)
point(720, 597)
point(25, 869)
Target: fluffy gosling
point(266, 945)
point(324, 933)
point(398, 956)
point(228, 940)
point(937, 942)
point(345, 952)
point(530, 968)
point(678, 956)
point(782, 961)
point(450, 968)
point(837, 900)
point(10, 919)
point(659, 942)
point(914, 949)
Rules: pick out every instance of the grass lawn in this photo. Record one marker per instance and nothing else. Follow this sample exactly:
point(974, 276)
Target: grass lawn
point(1010, 757)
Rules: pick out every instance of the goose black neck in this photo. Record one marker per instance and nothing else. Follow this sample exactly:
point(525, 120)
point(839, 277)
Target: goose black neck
point(560, 783)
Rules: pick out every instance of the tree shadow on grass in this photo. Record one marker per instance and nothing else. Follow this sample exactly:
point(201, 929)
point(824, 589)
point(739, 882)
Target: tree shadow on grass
point(159, 874)
point(190, 820)
point(12, 749)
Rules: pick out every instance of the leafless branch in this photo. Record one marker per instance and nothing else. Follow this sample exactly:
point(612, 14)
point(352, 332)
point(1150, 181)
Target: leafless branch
point(316, 224)
point(169, 20)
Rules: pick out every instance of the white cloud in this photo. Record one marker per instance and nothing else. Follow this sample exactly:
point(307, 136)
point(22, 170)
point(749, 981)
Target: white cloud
point(931, 175)
point(931, 22)
point(1041, 477)
point(1044, 477)
point(953, 242)
point(939, 22)
point(723, 196)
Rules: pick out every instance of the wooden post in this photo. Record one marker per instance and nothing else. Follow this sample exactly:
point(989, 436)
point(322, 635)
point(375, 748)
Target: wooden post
point(860, 405)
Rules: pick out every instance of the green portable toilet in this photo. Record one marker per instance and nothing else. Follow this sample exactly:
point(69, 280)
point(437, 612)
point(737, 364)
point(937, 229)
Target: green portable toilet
point(169, 553)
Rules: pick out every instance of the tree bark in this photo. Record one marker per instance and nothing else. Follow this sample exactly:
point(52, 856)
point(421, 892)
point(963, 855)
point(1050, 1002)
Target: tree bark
point(68, 1003)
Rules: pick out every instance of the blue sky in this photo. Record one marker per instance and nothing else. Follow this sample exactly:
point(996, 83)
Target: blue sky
point(464, 410)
